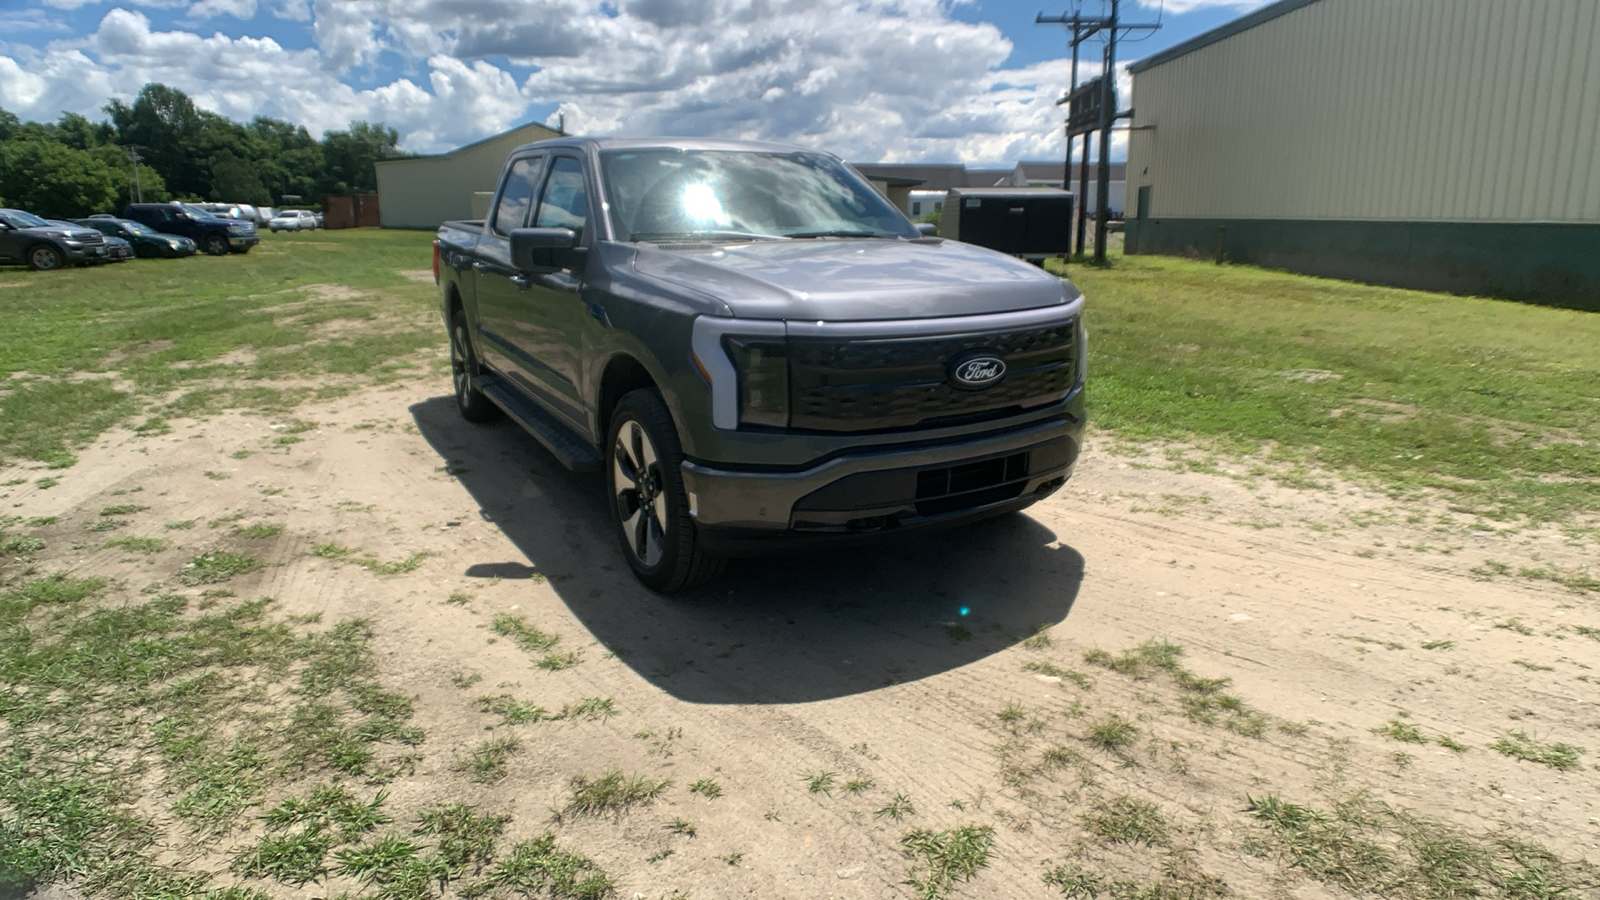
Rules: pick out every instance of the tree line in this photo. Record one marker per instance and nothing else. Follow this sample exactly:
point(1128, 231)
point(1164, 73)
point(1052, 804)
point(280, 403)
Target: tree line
point(75, 167)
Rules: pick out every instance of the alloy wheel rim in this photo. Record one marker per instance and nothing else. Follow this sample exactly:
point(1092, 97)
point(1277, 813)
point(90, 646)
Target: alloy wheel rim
point(44, 259)
point(641, 493)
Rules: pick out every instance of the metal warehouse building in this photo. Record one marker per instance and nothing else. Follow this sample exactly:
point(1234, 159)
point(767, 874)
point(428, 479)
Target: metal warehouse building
point(422, 191)
point(1442, 144)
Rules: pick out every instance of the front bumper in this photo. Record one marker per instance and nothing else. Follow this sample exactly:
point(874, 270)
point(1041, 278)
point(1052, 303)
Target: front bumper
point(885, 489)
point(88, 253)
point(245, 241)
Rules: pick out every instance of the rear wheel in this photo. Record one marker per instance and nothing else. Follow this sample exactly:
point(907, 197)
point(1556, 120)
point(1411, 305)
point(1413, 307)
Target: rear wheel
point(216, 245)
point(45, 258)
point(464, 373)
point(650, 505)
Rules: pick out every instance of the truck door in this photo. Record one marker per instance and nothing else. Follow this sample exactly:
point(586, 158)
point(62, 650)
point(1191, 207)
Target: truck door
point(502, 291)
point(555, 312)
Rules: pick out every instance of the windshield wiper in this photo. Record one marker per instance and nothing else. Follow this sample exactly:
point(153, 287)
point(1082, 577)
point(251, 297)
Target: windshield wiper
point(705, 236)
point(842, 234)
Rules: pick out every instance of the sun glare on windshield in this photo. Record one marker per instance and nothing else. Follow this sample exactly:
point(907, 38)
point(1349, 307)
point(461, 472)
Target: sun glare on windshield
point(701, 204)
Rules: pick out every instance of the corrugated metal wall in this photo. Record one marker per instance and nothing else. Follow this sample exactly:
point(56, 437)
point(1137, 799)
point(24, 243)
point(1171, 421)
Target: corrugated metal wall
point(421, 193)
point(1408, 110)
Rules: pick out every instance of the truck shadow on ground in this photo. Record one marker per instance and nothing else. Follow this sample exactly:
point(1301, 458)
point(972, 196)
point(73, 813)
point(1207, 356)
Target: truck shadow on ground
point(785, 629)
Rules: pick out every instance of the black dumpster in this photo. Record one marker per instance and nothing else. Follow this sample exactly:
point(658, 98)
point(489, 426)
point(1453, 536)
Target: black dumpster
point(1033, 223)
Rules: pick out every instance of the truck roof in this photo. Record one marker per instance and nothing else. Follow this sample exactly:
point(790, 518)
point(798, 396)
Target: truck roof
point(670, 143)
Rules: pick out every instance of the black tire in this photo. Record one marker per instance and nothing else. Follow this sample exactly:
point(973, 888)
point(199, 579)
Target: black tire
point(243, 250)
point(649, 506)
point(465, 372)
point(45, 258)
point(216, 245)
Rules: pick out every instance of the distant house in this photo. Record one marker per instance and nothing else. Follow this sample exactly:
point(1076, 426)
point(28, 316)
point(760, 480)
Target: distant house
point(423, 191)
point(936, 179)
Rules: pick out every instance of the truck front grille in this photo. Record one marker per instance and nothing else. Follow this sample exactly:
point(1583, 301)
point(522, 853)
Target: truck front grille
point(885, 384)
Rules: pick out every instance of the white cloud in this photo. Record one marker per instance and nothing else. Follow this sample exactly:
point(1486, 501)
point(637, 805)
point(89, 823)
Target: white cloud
point(244, 77)
point(239, 9)
point(869, 79)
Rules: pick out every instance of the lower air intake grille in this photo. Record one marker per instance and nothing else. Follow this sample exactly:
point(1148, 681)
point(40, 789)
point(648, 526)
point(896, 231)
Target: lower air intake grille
point(972, 484)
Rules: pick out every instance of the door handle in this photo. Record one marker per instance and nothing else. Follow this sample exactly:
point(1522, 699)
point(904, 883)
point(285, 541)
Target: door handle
point(479, 267)
point(522, 281)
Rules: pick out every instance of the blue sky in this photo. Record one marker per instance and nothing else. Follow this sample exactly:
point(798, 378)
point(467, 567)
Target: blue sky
point(894, 80)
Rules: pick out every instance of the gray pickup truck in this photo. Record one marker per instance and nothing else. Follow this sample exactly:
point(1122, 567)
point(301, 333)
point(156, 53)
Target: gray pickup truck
point(756, 348)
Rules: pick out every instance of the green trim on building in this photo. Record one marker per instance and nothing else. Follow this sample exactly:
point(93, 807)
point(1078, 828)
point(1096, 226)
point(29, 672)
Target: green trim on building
point(1541, 262)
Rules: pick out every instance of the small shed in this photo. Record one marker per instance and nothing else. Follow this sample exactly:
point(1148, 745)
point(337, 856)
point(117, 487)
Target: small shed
point(350, 211)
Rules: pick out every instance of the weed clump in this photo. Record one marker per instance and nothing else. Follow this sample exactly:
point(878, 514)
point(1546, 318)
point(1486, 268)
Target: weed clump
point(487, 762)
point(612, 793)
point(1127, 819)
point(1521, 745)
point(216, 567)
point(943, 859)
point(540, 867)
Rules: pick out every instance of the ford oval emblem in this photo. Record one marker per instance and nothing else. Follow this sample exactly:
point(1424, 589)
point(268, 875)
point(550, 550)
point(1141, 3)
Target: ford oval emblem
point(974, 373)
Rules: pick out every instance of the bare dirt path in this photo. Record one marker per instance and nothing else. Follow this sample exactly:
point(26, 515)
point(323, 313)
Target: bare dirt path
point(902, 668)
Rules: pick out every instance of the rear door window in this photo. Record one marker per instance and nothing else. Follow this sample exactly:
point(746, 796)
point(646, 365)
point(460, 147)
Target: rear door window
point(517, 195)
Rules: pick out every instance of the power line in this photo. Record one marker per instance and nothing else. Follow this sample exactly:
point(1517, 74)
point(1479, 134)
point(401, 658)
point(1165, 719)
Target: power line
point(1105, 103)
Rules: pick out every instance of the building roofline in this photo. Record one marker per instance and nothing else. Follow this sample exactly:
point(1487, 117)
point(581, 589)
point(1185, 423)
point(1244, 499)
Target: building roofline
point(465, 147)
point(1243, 23)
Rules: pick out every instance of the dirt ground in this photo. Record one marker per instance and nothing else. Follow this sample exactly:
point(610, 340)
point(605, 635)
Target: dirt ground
point(903, 665)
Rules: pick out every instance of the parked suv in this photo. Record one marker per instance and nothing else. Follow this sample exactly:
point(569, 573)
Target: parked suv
point(756, 348)
point(214, 235)
point(27, 240)
point(293, 220)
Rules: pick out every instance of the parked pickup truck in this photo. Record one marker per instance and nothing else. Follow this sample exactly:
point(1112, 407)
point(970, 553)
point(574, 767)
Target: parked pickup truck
point(214, 235)
point(756, 348)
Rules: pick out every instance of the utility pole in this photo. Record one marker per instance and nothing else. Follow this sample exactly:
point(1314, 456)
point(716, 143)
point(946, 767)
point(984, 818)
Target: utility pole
point(1066, 169)
point(1108, 114)
point(135, 190)
point(1098, 113)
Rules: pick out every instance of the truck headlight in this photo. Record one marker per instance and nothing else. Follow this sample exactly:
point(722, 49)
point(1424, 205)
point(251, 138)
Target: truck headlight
point(755, 393)
point(763, 367)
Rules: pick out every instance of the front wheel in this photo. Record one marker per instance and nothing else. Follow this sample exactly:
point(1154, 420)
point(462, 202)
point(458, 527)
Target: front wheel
point(650, 505)
point(217, 245)
point(45, 258)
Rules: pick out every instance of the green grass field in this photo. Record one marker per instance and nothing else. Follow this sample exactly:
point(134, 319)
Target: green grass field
point(1495, 403)
point(170, 331)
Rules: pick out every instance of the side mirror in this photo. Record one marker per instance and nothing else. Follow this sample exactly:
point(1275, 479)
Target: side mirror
point(533, 249)
point(927, 229)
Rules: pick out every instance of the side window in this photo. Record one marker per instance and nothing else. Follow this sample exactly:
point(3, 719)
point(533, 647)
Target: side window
point(517, 196)
point(565, 203)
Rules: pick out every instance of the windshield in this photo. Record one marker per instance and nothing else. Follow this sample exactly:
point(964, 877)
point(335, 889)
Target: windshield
point(20, 219)
point(136, 227)
point(667, 194)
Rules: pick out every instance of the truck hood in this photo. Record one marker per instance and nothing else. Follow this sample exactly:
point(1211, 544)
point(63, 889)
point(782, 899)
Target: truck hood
point(855, 279)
